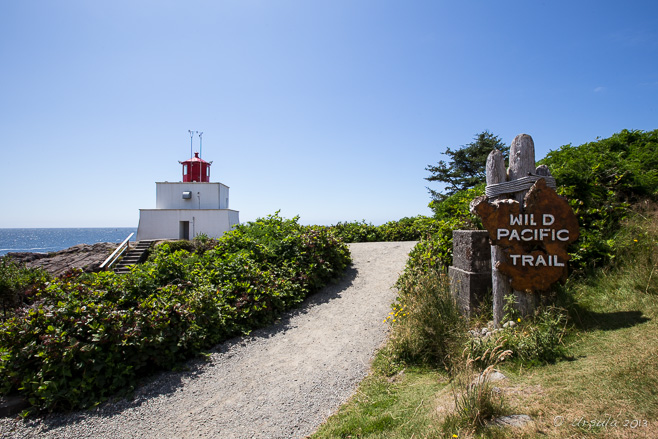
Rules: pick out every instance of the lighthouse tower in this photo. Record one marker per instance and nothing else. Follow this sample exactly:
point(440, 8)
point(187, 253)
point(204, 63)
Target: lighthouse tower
point(188, 208)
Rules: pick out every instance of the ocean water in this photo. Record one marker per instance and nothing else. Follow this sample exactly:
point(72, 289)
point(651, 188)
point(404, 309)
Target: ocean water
point(50, 240)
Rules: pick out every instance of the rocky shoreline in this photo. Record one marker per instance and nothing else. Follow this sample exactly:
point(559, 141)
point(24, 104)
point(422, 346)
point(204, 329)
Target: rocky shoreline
point(87, 257)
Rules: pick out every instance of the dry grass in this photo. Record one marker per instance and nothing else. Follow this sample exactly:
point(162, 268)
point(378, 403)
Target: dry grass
point(476, 401)
point(604, 385)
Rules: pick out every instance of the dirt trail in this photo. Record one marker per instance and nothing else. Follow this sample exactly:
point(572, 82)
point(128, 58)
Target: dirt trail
point(280, 382)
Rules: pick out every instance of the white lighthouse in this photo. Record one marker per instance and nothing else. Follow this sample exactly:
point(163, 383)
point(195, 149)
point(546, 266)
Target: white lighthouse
point(188, 208)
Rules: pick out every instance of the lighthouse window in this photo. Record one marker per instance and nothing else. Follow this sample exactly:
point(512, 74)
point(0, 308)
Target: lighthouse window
point(207, 172)
point(185, 169)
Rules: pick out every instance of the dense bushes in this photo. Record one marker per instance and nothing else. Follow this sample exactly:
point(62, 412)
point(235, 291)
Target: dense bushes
point(405, 229)
point(602, 180)
point(88, 336)
point(17, 284)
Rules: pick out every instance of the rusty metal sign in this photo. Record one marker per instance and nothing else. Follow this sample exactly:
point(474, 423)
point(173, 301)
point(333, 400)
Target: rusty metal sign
point(534, 239)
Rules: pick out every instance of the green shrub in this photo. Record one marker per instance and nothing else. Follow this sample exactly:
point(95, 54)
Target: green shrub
point(602, 180)
point(434, 253)
point(534, 340)
point(89, 336)
point(456, 206)
point(17, 284)
point(356, 231)
point(408, 229)
point(405, 229)
point(426, 325)
point(199, 245)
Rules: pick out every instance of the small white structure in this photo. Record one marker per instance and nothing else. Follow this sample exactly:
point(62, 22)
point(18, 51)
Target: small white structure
point(189, 208)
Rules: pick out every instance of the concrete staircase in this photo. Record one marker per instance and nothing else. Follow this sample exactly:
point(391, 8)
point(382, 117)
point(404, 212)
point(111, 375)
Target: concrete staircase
point(136, 255)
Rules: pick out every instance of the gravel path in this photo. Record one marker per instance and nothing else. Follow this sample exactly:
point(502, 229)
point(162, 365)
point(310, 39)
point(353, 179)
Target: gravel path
point(279, 382)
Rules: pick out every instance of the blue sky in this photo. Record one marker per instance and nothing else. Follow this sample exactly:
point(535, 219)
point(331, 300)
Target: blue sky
point(330, 110)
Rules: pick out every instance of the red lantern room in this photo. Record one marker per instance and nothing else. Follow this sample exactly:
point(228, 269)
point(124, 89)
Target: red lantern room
point(196, 170)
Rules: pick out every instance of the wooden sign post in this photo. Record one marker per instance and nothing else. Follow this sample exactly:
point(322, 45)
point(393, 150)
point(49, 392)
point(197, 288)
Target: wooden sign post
point(529, 226)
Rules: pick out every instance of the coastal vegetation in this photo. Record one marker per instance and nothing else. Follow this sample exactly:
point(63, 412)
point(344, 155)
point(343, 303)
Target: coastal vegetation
point(74, 341)
point(583, 366)
point(405, 229)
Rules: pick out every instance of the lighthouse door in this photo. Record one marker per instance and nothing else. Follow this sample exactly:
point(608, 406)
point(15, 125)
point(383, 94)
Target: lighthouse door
point(184, 230)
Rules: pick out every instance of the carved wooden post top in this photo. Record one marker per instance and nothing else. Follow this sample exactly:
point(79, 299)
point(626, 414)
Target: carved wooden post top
point(521, 160)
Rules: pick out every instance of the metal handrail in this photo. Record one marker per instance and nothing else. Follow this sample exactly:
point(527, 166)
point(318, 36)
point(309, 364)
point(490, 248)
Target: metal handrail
point(111, 260)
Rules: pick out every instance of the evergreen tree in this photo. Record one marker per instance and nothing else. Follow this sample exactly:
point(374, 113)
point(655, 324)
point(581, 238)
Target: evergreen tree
point(467, 165)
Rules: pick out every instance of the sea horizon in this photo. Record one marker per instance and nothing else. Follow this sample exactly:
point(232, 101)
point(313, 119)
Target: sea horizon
point(103, 227)
point(52, 239)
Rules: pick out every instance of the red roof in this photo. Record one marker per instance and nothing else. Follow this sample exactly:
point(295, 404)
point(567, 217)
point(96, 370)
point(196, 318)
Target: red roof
point(195, 159)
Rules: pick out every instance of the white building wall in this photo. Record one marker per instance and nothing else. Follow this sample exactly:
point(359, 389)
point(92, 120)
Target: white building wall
point(233, 218)
point(165, 223)
point(223, 197)
point(203, 195)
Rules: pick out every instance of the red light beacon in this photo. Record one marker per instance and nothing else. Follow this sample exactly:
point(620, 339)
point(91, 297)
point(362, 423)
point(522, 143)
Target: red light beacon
point(195, 169)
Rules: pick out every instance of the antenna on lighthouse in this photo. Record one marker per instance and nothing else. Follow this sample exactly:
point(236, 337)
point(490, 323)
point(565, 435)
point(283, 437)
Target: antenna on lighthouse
point(200, 142)
point(191, 138)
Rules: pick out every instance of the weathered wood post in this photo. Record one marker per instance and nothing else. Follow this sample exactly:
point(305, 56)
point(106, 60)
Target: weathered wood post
point(521, 164)
point(500, 285)
point(529, 226)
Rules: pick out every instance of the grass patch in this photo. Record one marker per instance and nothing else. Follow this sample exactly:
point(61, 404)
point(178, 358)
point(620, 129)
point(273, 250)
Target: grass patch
point(613, 375)
point(400, 406)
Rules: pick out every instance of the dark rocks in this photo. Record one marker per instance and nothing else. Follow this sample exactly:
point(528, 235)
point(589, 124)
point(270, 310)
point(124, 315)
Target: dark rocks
point(83, 256)
point(12, 405)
